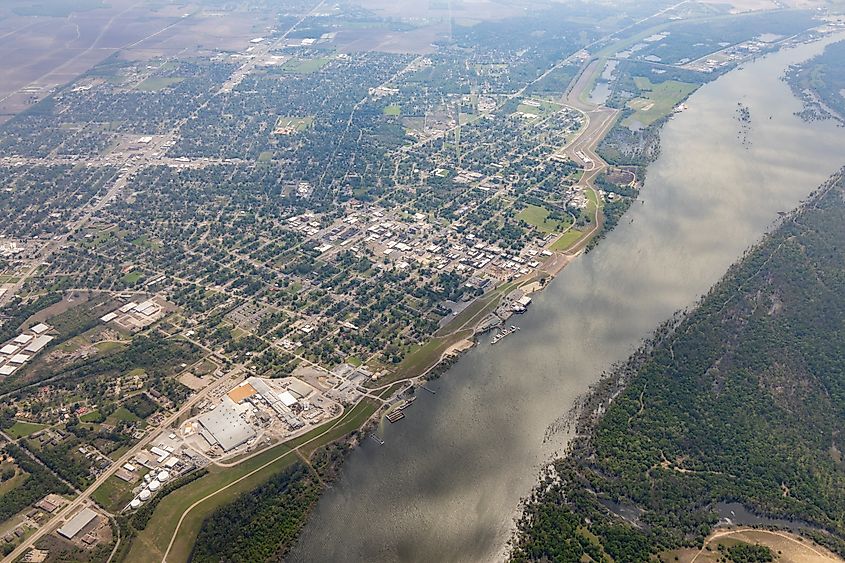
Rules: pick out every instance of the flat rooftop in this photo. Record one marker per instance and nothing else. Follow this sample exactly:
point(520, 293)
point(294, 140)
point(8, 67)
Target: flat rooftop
point(75, 524)
point(241, 392)
point(226, 426)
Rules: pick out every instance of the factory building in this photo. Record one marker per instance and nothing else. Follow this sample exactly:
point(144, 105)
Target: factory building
point(224, 426)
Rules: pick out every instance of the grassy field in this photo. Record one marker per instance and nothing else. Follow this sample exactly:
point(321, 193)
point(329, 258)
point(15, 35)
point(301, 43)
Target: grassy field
point(544, 108)
point(305, 66)
point(657, 101)
point(20, 429)
point(92, 416)
point(14, 482)
point(537, 217)
point(131, 278)
point(573, 236)
point(152, 542)
point(354, 361)
point(350, 422)
point(114, 494)
point(8, 279)
point(592, 203)
point(108, 345)
point(568, 238)
point(391, 390)
point(121, 414)
point(392, 109)
point(157, 83)
point(286, 124)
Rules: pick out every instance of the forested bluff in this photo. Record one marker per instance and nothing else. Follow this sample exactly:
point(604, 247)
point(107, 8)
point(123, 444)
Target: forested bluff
point(741, 399)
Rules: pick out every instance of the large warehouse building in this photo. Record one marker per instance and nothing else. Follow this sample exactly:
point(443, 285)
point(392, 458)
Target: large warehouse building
point(225, 426)
point(75, 524)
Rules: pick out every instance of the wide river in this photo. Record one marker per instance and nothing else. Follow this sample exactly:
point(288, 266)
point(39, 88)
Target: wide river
point(447, 484)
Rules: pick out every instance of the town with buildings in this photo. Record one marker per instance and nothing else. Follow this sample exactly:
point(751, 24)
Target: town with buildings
point(250, 256)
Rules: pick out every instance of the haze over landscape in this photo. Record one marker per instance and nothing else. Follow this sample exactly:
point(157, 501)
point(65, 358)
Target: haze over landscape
point(422, 281)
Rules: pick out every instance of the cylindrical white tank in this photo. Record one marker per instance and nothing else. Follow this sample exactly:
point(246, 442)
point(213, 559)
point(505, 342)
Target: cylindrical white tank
point(135, 503)
point(145, 494)
point(163, 476)
point(154, 485)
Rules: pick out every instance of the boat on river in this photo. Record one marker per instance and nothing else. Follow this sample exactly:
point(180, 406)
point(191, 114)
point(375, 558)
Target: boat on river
point(503, 333)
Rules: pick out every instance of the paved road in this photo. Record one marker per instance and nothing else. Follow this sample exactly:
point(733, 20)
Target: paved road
point(82, 499)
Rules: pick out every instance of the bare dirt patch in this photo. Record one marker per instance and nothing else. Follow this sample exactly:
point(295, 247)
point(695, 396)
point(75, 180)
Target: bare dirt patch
point(788, 547)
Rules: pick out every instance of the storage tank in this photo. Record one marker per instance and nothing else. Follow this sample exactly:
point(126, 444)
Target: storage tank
point(163, 476)
point(135, 503)
point(145, 494)
point(154, 485)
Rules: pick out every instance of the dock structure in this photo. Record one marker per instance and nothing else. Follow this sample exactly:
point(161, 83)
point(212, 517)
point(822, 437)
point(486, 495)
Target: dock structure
point(395, 416)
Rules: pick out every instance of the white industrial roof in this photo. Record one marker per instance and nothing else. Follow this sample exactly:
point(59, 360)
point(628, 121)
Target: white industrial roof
point(128, 307)
point(108, 317)
point(23, 338)
point(300, 388)
point(7, 370)
point(287, 399)
point(149, 310)
point(39, 343)
point(75, 524)
point(18, 358)
point(9, 349)
point(145, 305)
point(40, 328)
point(226, 426)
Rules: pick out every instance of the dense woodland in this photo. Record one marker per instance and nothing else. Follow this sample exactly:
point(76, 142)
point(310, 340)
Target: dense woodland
point(741, 400)
point(39, 482)
point(263, 524)
point(820, 83)
point(273, 514)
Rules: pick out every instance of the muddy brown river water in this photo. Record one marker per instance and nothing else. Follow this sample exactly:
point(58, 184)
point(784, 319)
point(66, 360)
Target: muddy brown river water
point(446, 485)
